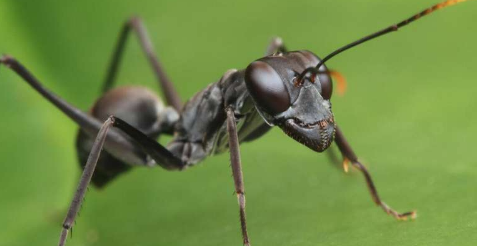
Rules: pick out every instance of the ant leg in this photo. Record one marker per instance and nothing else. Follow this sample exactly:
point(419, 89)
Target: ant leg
point(331, 153)
point(138, 27)
point(350, 156)
point(160, 154)
point(85, 180)
point(86, 122)
point(155, 150)
point(116, 141)
point(276, 45)
point(237, 171)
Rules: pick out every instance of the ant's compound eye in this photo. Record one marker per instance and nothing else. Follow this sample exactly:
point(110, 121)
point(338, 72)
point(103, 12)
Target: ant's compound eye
point(326, 85)
point(267, 88)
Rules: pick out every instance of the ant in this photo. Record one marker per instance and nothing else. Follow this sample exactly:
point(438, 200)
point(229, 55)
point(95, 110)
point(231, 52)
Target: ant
point(288, 89)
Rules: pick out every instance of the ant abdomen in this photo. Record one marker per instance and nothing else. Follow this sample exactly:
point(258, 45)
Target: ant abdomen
point(141, 108)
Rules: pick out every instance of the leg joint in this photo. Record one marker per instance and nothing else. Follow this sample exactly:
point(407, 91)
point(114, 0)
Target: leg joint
point(134, 20)
point(67, 225)
point(241, 199)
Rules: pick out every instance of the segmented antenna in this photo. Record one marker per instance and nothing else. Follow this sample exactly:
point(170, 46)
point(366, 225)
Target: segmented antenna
point(314, 70)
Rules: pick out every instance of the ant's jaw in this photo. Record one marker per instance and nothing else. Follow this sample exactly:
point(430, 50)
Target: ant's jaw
point(309, 120)
point(317, 136)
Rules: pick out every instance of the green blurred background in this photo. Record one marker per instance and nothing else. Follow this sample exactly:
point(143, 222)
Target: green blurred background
point(409, 113)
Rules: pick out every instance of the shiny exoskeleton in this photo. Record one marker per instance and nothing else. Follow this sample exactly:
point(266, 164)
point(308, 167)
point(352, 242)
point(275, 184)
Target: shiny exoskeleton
point(263, 95)
point(288, 89)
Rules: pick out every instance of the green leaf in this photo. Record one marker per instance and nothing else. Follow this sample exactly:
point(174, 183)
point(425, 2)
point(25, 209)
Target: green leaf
point(409, 113)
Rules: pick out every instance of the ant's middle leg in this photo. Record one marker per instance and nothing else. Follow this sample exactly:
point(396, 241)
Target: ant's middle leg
point(85, 180)
point(157, 152)
point(136, 24)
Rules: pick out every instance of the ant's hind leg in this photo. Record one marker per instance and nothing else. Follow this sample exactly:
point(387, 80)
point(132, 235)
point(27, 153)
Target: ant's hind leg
point(85, 121)
point(136, 24)
point(350, 156)
point(117, 142)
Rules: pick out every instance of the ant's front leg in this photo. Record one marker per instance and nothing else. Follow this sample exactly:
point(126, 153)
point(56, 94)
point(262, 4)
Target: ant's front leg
point(350, 156)
point(237, 171)
point(334, 159)
point(162, 155)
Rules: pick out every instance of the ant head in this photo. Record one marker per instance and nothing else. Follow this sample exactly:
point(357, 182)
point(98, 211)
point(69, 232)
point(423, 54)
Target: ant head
point(299, 106)
point(293, 89)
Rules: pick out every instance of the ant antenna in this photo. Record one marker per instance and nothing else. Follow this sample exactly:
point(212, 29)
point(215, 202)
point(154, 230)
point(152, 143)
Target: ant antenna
point(314, 70)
